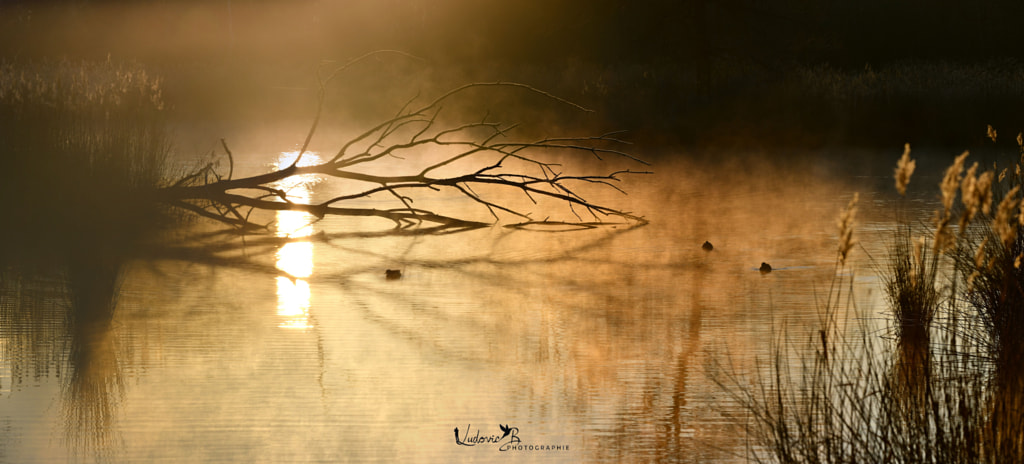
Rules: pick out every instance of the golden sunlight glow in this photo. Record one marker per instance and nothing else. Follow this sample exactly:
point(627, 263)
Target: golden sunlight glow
point(6, 375)
point(293, 303)
point(298, 187)
point(295, 258)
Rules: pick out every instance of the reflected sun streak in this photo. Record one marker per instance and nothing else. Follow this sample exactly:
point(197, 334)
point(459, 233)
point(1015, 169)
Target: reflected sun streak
point(293, 303)
point(295, 258)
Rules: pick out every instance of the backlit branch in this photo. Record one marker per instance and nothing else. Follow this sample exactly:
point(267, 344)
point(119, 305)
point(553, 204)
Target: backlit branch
point(405, 142)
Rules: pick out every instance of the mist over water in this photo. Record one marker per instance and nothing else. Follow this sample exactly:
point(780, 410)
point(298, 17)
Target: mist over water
point(548, 343)
point(597, 341)
point(686, 73)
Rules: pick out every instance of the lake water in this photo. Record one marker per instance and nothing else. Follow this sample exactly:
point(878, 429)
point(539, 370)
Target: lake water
point(587, 346)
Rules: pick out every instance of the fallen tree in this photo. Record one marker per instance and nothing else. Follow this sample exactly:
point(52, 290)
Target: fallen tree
point(483, 145)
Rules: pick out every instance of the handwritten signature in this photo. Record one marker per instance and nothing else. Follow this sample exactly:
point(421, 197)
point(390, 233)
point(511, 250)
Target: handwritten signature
point(509, 437)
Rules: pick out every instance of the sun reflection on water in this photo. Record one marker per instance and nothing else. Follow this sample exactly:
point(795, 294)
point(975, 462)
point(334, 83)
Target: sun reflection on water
point(295, 258)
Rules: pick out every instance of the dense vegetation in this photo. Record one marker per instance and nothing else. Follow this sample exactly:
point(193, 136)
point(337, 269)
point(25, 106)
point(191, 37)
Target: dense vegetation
point(84, 143)
point(944, 383)
point(695, 72)
point(85, 148)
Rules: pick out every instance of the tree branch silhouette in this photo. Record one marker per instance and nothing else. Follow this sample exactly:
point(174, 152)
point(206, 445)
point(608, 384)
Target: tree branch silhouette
point(413, 133)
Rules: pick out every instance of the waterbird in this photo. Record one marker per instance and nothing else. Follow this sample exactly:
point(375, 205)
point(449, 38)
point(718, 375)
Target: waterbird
point(707, 246)
point(765, 268)
point(393, 274)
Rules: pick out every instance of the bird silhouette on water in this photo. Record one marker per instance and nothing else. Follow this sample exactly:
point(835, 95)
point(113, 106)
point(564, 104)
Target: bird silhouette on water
point(707, 246)
point(765, 268)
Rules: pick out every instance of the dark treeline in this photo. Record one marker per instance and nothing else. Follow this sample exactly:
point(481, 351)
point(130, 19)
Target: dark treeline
point(844, 33)
point(801, 72)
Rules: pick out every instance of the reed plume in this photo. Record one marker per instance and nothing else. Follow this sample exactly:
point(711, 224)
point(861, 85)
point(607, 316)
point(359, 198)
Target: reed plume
point(1005, 212)
point(904, 169)
point(976, 194)
point(846, 220)
point(1020, 217)
point(951, 182)
point(979, 264)
point(967, 195)
point(949, 186)
point(918, 260)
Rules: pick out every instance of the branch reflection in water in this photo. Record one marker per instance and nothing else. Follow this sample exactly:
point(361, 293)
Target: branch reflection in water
point(73, 327)
point(95, 384)
point(598, 337)
point(57, 322)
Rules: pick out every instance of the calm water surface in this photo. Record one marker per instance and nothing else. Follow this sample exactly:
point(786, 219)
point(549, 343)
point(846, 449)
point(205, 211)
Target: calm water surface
point(590, 346)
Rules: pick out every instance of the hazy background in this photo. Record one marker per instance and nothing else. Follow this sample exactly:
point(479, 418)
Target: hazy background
point(599, 337)
point(731, 73)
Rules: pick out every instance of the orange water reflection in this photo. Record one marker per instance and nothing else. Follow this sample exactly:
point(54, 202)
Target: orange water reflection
point(599, 339)
point(295, 259)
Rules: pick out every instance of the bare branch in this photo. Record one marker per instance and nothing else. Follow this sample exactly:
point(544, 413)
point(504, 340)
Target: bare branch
point(231, 158)
point(223, 199)
point(322, 93)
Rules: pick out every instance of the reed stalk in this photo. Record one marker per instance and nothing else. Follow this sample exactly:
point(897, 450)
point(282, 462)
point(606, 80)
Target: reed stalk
point(948, 387)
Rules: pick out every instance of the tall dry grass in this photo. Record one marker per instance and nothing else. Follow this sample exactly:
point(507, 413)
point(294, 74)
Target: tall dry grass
point(947, 387)
point(84, 149)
